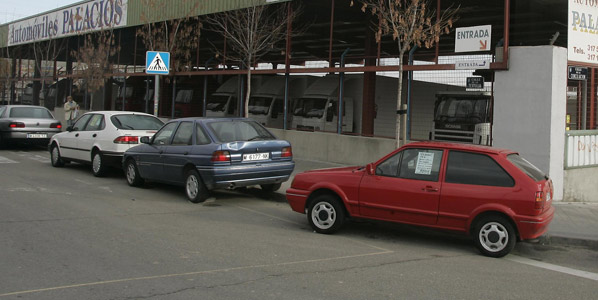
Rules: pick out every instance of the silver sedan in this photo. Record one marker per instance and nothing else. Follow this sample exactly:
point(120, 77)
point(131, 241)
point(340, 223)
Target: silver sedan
point(27, 124)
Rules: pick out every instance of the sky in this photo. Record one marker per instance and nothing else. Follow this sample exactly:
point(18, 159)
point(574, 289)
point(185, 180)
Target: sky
point(12, 10)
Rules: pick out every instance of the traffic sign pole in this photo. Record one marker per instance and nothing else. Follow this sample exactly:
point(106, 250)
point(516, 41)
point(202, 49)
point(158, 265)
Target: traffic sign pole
point(156, 94)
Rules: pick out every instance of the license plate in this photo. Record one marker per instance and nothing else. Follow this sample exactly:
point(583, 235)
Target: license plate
point(37, 135)
point(256, 156)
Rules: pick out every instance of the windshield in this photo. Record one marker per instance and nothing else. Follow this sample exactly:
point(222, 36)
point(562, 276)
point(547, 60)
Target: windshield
point(136, 122)
point(30, 112)
point(259, 105)
point(239, 130)
point(217, 103)
point(454, 110)
point(310, 107)
point(526, 167)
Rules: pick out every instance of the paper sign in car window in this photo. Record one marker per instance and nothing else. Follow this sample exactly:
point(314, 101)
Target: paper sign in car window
point(424, 163)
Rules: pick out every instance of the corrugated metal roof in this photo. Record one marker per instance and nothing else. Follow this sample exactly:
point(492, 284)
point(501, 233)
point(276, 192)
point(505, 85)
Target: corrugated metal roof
point(141, 11)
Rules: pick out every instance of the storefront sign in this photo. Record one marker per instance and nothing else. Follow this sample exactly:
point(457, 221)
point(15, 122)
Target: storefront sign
point(472, 64)
point(578, 73)
point(582, 33)
point(78, 19)
point(475, 82)
point(470, 39)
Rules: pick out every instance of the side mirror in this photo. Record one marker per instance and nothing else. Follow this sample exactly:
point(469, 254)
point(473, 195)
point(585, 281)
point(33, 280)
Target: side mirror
point(144, 140)
point(370, 169)
point(69, 128)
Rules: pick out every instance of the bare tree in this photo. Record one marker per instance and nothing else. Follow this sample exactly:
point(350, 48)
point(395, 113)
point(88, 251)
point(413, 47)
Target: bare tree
point(409, 23)
point(5, 74)
point(94, 58)
point(251, 32)
point(45, 53)
point(175, 35)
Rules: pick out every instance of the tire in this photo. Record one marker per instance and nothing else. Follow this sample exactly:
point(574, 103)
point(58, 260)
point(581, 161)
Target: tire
point(326, 214)
point(132, 173)
point(194, 188)
point(98, 167)
point(55, 158)
point(269, 188)
point(494, 236)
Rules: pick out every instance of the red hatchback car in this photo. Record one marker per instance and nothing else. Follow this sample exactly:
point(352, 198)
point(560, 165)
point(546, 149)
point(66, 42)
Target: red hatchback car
point(492, 194)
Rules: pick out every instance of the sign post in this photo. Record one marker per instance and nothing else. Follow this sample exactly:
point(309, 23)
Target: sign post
point(157, 63)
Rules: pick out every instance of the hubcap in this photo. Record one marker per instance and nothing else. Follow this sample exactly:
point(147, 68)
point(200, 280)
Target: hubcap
point(192, 186)
point(323, 215)
point(493, 236)
point(131, 173)
point(97, 162)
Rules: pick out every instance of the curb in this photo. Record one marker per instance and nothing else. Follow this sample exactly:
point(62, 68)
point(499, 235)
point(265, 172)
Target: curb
point(568, 241)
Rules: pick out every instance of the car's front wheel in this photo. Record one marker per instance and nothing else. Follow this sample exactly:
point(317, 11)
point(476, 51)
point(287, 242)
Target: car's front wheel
point(194, 188)
point(326, 214)
point(494, 236)
point(55, 157)
point(132, 173)
point(98, 167)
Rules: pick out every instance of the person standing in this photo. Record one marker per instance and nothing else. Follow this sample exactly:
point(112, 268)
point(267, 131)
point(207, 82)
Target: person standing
point(71, 109)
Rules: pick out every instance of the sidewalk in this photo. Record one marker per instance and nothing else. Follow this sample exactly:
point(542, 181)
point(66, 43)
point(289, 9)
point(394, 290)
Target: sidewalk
point(573, 223)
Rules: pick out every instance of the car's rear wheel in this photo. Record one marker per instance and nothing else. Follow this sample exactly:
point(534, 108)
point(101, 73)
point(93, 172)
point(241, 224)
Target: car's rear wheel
point(269, 188)
point(55, 157)
point(132, 173)
point(194, 188)
point(98, 167)
point(494, 236)
point(326, 214)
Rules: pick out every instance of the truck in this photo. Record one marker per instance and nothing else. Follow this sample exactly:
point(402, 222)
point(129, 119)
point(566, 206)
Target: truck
point(266, 105)
point(456, 115)
point(317, 109)
point(224, 102)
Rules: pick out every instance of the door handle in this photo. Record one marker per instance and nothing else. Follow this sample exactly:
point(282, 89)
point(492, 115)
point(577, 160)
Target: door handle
point(94, 135)
point(161, 151)
point(77, 135)
point(186, 152)
point(430, 189)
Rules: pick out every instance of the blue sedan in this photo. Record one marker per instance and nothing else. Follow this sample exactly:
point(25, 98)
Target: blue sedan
point(205, 154)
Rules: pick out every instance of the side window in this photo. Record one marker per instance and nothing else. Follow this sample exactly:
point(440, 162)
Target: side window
point(162, 137)
point(477, 169)
point(277, 108)
point(95, 123)
point(232, 105)
point(184, 134)
point(80, 123)
point(420, 164)
point(390, 166)
point(202, 137)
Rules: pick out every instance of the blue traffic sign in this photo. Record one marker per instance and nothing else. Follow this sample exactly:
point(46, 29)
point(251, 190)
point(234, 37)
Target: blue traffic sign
point(157, 62)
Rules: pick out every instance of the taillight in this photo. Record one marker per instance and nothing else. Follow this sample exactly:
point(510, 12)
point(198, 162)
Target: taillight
point(286, 152)
point(127, 139)
point(16, 125)
point(56, 125)
point(539, 203)
point(219, 156)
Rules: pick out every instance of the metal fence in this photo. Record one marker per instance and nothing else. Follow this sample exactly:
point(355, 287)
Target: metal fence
point(581, 149)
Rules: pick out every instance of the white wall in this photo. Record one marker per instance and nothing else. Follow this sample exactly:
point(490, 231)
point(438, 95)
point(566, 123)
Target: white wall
point(529, 108)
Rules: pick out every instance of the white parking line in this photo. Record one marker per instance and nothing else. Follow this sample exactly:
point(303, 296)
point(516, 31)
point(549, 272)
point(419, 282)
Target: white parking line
point(547, 266)
point(4, 160)
point(97, 283)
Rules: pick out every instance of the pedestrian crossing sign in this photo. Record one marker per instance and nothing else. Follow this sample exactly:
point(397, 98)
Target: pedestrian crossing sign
point(157, 62)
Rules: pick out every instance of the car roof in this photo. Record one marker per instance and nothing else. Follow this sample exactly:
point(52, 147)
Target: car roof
point(21, 105)
point(209, 119)
point(460, 146)
point(118, 112)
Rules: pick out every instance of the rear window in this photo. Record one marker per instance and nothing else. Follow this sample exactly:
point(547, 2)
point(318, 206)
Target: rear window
point(136, 122)
point(231, 131)
point(30, 112)
point(526, 167)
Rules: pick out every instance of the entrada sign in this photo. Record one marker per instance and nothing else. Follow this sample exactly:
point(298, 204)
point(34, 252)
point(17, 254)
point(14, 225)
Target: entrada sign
point(475, 38)
point(78, 19)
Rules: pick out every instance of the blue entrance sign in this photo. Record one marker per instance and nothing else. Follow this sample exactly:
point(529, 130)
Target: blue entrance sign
point(157, 62)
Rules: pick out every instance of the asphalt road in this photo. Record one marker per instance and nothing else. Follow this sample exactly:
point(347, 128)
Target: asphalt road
point(65, 234)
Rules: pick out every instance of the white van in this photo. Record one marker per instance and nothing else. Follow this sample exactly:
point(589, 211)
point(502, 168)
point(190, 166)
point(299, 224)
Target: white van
point(266, 105)
point(225, 101)
point(317, 109)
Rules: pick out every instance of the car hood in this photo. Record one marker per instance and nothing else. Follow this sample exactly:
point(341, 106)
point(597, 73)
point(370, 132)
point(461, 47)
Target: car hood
point(351, 169)
point(345, 176)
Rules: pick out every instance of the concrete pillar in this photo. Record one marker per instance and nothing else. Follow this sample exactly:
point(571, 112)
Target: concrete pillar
point(530, 108)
